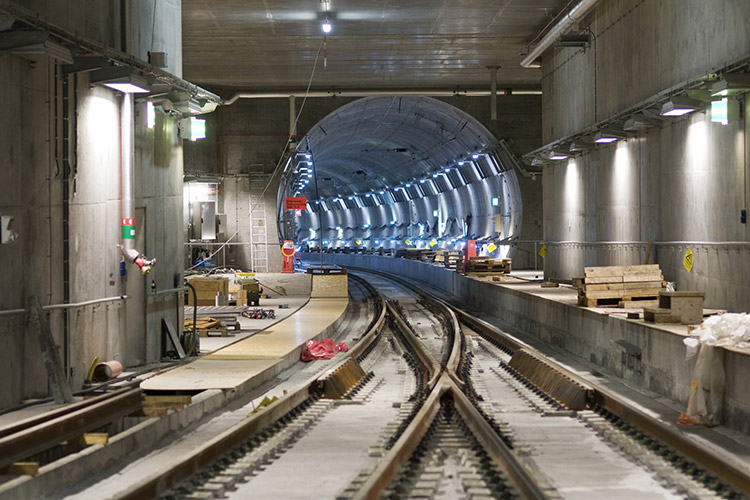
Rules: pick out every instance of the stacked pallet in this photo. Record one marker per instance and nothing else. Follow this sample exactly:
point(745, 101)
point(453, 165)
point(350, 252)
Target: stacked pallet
point(207, 326)
point(620, 286)
point(486, 265)
point(448, 257)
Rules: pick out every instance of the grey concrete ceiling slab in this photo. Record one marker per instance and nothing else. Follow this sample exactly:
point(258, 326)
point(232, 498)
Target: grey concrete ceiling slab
point(257, 45)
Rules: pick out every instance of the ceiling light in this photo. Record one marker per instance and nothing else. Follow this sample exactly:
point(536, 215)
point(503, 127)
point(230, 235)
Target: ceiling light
point(422, 181)
point(460, 163)
point(557, 156)
point(447, 170)
point(680, 105)
point(308, 156)
point(326, 26)
point(475, 156)
point(408, 185)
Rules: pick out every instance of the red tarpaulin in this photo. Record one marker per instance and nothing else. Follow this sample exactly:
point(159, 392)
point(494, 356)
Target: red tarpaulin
point(322, 350)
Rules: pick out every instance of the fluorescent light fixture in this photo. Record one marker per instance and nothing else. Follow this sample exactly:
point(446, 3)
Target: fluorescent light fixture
point(447, 170)
point(435, 213)
point(308, 156)
point(366, 226)
point(475, 156)
point(381, 192)
point(460, 163)
point(408, 185)
point(338, 228)
point(680, 105)
point(150, 115)
point(126, 87)
point(434, 176)
point(603, 138)
point(326, 26)
point(731, 83)
point(197, 129)
point(393, 222)
point(557, 156)
point(309, 164)
point(495, 201)
point(422, 181)
point(351, 197)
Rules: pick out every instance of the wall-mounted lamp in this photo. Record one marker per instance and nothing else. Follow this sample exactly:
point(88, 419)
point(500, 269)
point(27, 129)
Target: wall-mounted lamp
point(731, 83)
point(680, 105)
point(120, 78)
point(604, 138)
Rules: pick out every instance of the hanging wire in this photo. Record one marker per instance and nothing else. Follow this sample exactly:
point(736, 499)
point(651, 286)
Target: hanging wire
point(277, 168)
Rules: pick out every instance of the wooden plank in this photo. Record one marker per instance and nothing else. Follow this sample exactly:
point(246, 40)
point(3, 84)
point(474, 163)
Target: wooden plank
point(602, 287)
point(20, 469)
point(601, 279)
point(55, 372)
point(643, 285)
point(152, 400)
point(89, 439)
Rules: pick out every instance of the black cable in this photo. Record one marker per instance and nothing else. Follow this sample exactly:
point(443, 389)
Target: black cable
point(194, 345)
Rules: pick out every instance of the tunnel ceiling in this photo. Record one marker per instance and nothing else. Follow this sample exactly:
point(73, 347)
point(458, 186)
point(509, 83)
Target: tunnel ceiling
point(380, 142)
point(254, 44)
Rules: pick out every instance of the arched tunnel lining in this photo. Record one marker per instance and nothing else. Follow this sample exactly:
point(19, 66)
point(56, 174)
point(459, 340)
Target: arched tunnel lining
point(381, 171)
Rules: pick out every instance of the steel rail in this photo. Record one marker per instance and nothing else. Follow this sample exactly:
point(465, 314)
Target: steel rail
point(734, 474)
point(44, 435)
point(493, 445)
point(399, 454)
point(427, 360)
point(189, 464)
point(20, 425)
point(447, 382)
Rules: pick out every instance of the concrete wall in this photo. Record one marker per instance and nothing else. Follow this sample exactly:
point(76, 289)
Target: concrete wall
point(34, 165)
point(250, 136)
point(680, 184)
point(589, 335)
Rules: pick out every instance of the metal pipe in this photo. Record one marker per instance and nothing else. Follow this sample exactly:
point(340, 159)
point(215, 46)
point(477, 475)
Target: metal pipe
point(575, 14)
point(292, 119)
point(65, 306)
point(493, 93)
point(127, 147)
point(379, 92)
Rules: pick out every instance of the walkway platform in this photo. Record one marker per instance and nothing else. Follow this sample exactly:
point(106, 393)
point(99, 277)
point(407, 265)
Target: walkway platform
point(252, 361)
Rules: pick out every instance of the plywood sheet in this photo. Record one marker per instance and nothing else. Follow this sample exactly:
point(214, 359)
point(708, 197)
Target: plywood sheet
point(204, 374)
point(286, 335)
point(329, 285)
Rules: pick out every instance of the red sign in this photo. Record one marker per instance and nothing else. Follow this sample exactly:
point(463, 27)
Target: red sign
point(128, 222)
point(296, 203)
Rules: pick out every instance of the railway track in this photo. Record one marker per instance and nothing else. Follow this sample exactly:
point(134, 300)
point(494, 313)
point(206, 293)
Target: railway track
point(431, 402)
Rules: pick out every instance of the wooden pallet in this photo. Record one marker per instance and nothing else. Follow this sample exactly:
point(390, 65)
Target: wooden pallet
point(220, 331)
point(486, 265)
point(611, 286)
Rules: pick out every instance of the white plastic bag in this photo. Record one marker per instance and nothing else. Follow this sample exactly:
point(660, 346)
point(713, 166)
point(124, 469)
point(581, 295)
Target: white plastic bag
point(706, 388)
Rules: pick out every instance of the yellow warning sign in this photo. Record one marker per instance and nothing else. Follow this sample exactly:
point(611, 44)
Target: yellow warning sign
point(687, 261)
point(491, 247)
point(543, 251)
point(433, 243)
point(408, 242)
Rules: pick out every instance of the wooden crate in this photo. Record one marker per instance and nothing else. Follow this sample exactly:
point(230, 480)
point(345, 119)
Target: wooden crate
point(206, 289)
point(611, 285)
